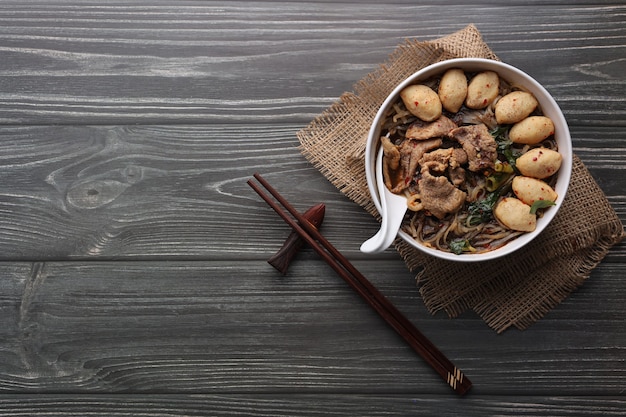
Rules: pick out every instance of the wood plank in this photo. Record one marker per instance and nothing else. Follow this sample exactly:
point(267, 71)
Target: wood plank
point(167, 405)
point(180, 191)
point(202, 62)
point(223, 327)
point(74, 191)
point(132, 254)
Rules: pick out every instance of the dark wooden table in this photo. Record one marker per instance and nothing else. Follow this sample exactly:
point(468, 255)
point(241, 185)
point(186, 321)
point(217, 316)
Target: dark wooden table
point(133, 274)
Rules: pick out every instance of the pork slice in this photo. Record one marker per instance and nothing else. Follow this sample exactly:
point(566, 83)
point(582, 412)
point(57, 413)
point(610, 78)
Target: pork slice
point(411, 151)
point(480, 147)
point(438, 195)
point(420, 130)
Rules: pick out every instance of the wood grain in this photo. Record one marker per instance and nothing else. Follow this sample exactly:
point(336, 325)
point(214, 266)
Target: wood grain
point(160, 405)
point(152, 191)
point(180, 191)
point(200, 62)
point(182, 327)
point(133, 278)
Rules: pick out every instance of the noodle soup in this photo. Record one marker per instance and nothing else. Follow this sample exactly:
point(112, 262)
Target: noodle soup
point(482, 158)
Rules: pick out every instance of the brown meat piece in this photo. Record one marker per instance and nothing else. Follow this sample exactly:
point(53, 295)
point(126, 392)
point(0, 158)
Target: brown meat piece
point(438, 195)
point(420, 130)
point(440, 156)
point(411, 151)
point(447, 160)
point(457, 175)
point(453, 157)
point(459, 157)
point(478, 144)
point(456, 172)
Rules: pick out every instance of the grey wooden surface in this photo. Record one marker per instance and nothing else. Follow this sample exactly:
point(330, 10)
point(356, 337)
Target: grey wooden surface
point(133, 278)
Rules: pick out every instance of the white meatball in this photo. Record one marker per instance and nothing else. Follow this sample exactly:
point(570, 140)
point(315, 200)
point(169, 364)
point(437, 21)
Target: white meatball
point(515, 215)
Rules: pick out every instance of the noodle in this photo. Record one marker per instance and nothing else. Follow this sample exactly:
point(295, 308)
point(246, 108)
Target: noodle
point(474, 229)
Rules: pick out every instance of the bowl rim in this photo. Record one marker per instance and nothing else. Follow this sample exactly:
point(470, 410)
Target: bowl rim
point(546, 102)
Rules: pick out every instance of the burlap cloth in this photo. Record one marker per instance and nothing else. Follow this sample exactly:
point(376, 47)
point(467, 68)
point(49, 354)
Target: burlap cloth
point(513, 291)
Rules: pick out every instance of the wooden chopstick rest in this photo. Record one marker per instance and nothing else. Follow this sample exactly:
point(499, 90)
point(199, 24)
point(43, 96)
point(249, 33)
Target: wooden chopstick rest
point(281, 259)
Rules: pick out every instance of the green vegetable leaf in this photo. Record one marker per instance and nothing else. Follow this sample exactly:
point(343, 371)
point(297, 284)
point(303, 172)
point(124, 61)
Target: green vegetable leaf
point(539, 204)
point(458, 246)
point(500, 135)
point(481, 211)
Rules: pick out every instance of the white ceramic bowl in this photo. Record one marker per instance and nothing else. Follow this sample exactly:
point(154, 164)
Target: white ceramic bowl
point(548, 106)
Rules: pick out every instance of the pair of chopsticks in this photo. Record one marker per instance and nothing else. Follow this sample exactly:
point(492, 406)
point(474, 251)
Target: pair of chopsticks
point(424, 347)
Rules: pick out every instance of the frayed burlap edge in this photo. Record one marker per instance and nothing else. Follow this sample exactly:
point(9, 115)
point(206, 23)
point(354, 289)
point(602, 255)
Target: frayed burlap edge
point(545, 272)
point(542, 274)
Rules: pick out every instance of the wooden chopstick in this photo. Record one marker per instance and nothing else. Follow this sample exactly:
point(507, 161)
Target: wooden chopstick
point(424, 347)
